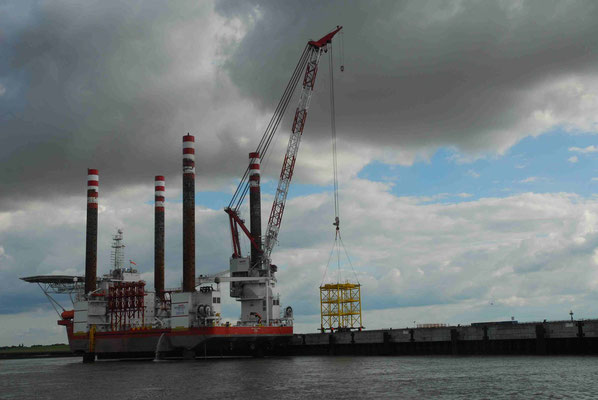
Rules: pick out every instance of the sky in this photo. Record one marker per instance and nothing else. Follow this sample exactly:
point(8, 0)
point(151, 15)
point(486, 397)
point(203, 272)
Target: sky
point(466, 135)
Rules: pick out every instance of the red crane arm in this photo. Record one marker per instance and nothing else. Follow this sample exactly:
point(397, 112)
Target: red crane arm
point(326, 38)
point(286, 174)
point(236, 222)
point(308, 63)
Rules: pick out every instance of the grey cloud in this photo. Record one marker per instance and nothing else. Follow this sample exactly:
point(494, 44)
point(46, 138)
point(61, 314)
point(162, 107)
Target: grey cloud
point(115, 86)
point(426, 73)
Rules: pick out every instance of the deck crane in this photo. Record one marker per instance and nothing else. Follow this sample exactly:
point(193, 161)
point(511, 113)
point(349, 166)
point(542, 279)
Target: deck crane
point(260, 260)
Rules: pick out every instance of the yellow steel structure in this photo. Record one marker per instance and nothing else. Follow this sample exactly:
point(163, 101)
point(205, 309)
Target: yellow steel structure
point(340, 306)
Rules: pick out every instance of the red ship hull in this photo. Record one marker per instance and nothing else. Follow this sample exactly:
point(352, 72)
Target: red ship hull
point(164, 343)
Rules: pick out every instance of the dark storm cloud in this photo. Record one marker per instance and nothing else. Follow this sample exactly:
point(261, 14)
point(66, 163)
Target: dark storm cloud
point(114, 86)
point(104, 86)
point(422, 73)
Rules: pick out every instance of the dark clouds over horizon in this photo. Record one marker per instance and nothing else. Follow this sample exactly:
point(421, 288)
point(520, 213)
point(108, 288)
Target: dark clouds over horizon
point(115, 86)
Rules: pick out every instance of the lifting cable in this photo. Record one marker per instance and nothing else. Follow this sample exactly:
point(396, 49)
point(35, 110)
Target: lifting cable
point(333, 133)
point(341, 53)
point(338, 241)
point(336, 223)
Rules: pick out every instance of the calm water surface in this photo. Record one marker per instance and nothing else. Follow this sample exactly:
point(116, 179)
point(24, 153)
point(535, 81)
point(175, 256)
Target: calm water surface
point(304, 377)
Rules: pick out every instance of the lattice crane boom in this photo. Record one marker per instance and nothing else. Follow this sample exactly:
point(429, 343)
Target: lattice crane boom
point(288, 165)
point(309, 62)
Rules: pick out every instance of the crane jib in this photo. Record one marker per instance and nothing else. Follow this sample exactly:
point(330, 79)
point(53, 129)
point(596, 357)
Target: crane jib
point(308, 62)
point(272, 127)
point(288, 165)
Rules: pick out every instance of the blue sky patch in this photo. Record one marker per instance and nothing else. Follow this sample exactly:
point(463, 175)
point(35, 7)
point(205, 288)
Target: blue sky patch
point(554, 162)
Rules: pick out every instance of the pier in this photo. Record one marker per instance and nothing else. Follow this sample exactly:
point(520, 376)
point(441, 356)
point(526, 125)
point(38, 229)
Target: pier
point(539, 338)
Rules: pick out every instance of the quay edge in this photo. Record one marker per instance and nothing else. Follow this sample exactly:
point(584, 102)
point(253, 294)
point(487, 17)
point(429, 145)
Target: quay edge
point(530, 338)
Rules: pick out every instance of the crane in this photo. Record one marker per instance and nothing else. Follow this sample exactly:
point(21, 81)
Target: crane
point(308, 62)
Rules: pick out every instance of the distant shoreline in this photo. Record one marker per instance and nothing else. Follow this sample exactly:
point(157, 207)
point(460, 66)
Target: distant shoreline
point(42, 354)
point(36, 351)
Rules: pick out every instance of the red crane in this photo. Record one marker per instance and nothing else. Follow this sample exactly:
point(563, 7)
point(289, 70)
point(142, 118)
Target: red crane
point(308, 62)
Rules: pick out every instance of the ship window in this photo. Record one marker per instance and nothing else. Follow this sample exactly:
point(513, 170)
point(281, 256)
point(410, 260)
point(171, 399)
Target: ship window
point(216, 300)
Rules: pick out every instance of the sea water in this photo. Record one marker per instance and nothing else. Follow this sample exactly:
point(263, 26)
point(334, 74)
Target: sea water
point(424, 377)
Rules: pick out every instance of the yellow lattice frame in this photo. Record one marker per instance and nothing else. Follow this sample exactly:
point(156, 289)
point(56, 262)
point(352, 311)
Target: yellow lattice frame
point(340, 306)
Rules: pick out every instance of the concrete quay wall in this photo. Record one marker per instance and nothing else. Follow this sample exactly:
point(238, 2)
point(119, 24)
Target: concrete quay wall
point(553, 337)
